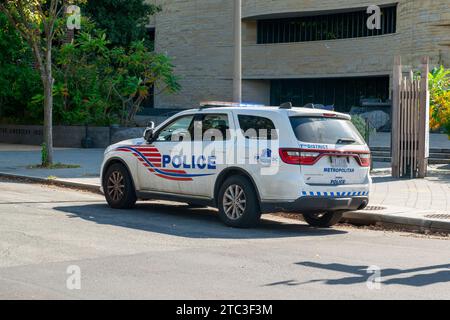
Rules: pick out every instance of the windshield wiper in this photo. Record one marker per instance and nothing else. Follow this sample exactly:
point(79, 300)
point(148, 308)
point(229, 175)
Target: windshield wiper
point(346, 141)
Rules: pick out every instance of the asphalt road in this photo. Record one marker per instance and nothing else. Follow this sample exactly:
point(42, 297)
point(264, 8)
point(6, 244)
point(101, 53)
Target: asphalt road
point(167, 251)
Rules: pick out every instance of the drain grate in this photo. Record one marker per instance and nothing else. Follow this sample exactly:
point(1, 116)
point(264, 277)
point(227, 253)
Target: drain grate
point(438, 216)
point(374, 208)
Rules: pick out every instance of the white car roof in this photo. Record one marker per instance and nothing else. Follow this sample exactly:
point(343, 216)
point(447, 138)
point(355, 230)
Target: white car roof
point(294, 111)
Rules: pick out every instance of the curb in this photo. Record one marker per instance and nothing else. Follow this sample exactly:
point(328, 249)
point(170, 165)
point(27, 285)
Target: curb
point(387, 220)
point(54, 182)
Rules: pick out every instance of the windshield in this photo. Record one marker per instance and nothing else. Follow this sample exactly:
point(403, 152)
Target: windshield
point(326, 130)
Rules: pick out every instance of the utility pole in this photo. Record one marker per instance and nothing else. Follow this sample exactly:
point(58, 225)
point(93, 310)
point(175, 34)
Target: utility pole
point(237, 78)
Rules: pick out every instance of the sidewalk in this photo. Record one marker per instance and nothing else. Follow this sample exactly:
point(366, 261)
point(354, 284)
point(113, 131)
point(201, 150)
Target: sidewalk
point(15, 159)
point(422, 204)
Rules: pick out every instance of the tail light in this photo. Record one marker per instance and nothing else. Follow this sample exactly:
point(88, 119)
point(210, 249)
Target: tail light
point(364, 159)
point(299, 157)
point(309, 157)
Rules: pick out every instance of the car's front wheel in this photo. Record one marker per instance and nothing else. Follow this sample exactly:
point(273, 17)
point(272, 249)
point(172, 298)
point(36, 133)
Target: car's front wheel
point(238, 204)
point(323, 220)
point(118, 187)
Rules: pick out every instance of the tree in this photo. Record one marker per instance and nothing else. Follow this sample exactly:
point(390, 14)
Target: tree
point(100, 85)
point(36, 21)
point(124, 20)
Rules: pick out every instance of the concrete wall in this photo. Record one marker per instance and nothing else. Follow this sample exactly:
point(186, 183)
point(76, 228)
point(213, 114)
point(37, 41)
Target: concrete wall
point(67, 136)
point(198, 35)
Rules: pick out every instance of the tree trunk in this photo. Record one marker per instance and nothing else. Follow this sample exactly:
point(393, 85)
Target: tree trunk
point(48, 109)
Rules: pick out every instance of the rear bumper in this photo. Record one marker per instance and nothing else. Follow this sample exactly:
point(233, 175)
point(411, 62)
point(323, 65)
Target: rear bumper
point(316, 204)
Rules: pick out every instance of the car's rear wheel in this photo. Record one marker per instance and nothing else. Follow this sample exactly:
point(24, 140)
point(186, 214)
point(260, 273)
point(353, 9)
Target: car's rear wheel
point(238, 204)
point(323, 220)
point(118, 187)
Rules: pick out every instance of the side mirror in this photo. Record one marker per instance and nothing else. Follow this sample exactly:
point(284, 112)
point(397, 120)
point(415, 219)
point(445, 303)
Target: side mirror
point(149, 132)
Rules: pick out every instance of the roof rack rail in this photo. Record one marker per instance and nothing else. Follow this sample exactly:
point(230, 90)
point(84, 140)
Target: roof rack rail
point(286, 105)
point(223, 104)
point(310, 106)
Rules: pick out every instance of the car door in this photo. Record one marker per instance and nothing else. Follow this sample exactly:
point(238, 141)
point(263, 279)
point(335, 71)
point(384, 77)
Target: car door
point(258, 141)
point(162, 167)
point(212, 138)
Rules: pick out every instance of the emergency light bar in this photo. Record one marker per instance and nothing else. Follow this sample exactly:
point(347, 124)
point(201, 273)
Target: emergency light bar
point(215, 104)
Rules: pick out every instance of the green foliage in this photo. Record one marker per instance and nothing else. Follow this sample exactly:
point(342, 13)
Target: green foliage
point(123, 20)
point(439, 81)
point(362, 127)
point(439, 84)
point(96, 82)
point(19, 81)
point(100, 86)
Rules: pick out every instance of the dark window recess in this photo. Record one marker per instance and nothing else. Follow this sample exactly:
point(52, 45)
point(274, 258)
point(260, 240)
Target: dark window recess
point(215, 127)
point(254, 127)
point(343, 93)
point(325, 27)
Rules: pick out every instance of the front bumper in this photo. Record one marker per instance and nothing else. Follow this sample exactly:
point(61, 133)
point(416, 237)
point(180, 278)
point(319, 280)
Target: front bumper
point(316, 204)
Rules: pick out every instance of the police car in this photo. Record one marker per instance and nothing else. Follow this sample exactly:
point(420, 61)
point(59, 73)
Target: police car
point(245, 160)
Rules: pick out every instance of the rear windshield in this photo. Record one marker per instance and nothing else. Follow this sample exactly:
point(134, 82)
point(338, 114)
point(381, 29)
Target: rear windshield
point(325, 130)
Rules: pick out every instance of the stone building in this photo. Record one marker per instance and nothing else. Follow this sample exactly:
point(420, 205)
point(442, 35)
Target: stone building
point(297, 50)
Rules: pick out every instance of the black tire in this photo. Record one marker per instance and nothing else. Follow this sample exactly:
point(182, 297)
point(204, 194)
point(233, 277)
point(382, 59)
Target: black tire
point(323, 220)
point(124, 199)
point(251, 214)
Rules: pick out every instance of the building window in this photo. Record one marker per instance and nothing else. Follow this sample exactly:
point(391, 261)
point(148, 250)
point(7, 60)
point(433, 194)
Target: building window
point(332, 26)
point(342, 93)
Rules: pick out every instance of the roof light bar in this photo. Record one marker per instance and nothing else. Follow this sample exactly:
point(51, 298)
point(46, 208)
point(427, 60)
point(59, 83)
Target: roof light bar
point(214, 104)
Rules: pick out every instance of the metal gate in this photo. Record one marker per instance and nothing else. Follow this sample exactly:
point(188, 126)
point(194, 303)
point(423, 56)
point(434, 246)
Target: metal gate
point(410, 122)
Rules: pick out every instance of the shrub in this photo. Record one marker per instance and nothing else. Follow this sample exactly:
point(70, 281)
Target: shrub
point(440, 112)
point(362, 127)
point(439, 84)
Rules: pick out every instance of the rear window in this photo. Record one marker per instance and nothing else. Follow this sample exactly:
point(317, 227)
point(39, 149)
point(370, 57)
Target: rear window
point(325, 130)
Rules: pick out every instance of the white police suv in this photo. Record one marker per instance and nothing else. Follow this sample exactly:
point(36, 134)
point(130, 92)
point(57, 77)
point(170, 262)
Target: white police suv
point(245, 160)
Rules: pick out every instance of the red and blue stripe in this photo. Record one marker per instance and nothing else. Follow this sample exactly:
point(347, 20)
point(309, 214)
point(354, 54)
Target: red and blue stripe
point(150, 157)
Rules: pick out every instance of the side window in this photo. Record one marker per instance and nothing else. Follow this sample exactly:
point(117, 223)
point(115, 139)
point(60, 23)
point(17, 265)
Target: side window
point(179, 130)
point(214, 127)
point(254, 127)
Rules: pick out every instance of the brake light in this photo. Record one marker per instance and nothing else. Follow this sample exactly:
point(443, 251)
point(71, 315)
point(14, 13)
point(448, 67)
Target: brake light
point(364, 159)
point(307, 157)
point(298, 157)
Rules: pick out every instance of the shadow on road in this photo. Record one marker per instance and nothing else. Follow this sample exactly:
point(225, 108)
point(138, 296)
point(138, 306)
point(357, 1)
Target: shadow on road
point(416, 277)
point(180, 220)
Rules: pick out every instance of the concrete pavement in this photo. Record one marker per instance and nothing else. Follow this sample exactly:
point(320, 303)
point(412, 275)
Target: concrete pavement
point(159, 251)
point(421, 204)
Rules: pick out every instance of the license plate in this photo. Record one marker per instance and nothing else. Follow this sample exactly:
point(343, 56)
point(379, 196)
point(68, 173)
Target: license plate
point(339, 162)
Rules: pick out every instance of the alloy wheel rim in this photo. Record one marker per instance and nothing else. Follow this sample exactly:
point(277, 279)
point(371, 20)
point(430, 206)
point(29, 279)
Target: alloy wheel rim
point(116, 186)
point(234, 202)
